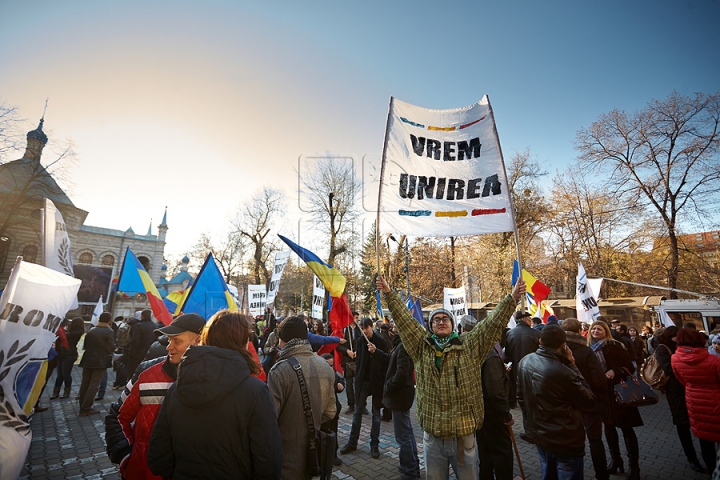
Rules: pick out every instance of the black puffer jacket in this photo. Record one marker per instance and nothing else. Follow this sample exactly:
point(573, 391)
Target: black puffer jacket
point(399, 391)
point(217, 421)
point(521, 340)
point(556, 392)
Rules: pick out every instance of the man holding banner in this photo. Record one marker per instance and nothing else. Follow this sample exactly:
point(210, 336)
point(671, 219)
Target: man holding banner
point(449, 387)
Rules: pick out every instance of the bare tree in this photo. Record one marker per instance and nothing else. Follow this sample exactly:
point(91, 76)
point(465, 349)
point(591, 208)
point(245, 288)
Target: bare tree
point(10, 132)
point(665, 154)
point(228, 253)
point(256, 219)
point(331, 190)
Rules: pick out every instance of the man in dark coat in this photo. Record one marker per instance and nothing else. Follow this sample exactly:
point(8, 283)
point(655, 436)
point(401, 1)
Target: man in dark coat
point(369, 380)
point(99, 347)
point(142, 336)
point(349, 365)
point(554, 392)
point(521, 340)
point(398, 396)
point(592, 370)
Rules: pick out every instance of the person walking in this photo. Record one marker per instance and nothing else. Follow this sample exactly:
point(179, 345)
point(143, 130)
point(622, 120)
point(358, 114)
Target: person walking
point(616, 363)
point(449, 387)
point(217, 420)
point(66, 361)
point(99, 347)
point(675, 392)
point(349, 363)
point(699, 372)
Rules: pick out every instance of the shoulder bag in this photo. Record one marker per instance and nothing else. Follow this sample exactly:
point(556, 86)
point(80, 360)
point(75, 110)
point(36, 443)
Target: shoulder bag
point(633, 392)
point(321, 451)
point(652, 372)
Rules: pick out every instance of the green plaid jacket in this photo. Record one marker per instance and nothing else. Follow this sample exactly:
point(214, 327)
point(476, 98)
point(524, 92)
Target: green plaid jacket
point(450, 400)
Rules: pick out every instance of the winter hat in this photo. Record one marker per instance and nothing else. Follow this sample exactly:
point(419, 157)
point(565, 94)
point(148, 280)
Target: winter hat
point(292, 327)
point(520, 314)
point(552, 320)
point(716, 339)
point(441, 310)
point(468, 322)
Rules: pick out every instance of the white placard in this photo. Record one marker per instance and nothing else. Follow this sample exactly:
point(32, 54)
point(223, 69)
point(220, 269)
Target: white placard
point(281, 259)
point(586, 300)
point(454, 300)
point(318, 298)
point(257, 296)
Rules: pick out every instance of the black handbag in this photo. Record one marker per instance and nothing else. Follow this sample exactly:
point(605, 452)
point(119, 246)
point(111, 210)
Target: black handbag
point(321, 451)
point(634, 392)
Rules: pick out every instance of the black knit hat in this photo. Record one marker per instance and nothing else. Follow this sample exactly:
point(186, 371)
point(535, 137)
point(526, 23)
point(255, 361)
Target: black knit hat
point(292, 327)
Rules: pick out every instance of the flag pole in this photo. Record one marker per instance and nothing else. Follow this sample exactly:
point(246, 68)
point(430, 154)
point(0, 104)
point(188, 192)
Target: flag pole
point(512, 204)
point(382, 175)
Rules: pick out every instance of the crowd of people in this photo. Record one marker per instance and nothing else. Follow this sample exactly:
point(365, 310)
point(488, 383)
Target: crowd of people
point(464, 379)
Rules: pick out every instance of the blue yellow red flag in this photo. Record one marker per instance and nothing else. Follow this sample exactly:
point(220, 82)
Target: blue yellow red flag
point(332, 280)
point(536, 290)
point(134, 279)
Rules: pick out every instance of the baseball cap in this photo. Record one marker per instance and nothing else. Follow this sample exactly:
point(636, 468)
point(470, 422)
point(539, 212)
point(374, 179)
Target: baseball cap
point(188, 322)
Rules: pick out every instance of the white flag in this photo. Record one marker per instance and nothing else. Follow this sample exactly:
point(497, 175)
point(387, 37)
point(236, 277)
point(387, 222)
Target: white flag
point(32, 308)
point(443, 173)
point(98, 311)
point(454, 301)
point(585, 298)
point(281, 259)
point(56, 243)
point(318, 298)
point(257, 296)
point(665, 319)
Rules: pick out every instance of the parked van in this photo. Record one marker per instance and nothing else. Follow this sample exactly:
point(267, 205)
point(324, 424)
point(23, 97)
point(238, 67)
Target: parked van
point(704, 313)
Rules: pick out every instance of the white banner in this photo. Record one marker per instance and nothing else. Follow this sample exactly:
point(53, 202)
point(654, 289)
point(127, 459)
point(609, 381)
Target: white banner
point(443, 173)
point(281, 259)
point(318, 298)
point(257, 296)
point(98, 311)
point(586, 299)
point(454, 300)
point(56, 243)
point(32, 307)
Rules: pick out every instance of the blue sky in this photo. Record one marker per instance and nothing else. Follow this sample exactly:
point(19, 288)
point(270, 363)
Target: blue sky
point(195, 105)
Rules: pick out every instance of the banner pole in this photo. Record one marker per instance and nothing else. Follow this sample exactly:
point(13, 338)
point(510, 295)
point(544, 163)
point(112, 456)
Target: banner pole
point(382, 175)
point(512, 204)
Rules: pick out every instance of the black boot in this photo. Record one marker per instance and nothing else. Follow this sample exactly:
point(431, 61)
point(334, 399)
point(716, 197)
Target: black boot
point(615, 465)
point(633, 468)
point(55, 394)
point(695, 465)
point(66, 393)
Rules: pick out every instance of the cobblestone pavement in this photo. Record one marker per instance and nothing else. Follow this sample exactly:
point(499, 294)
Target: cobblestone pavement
point(65, 446)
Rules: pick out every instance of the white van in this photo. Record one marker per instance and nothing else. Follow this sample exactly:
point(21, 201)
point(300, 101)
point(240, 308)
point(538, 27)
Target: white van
point(704, 313)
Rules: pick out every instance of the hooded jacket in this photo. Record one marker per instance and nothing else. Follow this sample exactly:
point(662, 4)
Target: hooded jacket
point(700, 373)
point(217, 421)
point(449, 399)
point(553, 393)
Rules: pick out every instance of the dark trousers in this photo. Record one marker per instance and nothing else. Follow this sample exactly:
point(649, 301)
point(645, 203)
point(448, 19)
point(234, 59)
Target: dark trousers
point(332, 425)
point(686, 441)
point(593, 429)
point(64, 375)
point(91, 379)
point(512, 390)
point(361, 396)
point(555, 467)
point(350, 387)
point(495, 449)
point(707, 450)
point(405, 437)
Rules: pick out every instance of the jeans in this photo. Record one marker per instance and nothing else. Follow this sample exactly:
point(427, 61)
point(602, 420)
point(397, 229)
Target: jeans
point(405, 437)
point(91, 379)
point(361, 395)
point(592, 421)
point(103, 385)
point(459, 453)
point(495, 449)
point(555, 467)
point(64, 375)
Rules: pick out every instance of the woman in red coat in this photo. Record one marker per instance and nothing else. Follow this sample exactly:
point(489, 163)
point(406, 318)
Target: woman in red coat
point(700, 373)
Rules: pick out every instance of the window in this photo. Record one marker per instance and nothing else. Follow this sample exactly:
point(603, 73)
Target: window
point(4, 250)
point(145, 263)
point(86, 258)
point(108, 260)
point(698, 237)
point(29, 253)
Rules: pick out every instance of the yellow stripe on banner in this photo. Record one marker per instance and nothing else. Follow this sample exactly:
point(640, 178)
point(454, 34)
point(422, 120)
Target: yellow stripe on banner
point(36, 389)
point(459, 213)
point(232, 304)
point(442, 129)
point(149, 284)
point(182, 301)
point(333, 281)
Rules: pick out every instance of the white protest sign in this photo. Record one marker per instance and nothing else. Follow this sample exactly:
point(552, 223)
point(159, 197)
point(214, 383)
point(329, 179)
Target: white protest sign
point(443, 173)
point(454, 300)
point(318, 298)
point(32, 306)
point(586, 300)
point(281, 259)
point(257, 296)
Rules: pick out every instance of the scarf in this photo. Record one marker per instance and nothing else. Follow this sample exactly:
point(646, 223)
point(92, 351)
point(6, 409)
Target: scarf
point(291, 344)
point(597, 347)
point(440, 344)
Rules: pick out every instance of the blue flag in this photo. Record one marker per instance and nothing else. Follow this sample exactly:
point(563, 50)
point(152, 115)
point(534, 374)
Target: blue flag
point(209, 293)
point(417, 313)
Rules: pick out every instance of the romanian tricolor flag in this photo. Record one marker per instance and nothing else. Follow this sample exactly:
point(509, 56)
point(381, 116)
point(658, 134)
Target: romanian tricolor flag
point(134, 279)
point(334, 283)
point(536, 290)
point(380, 314)
point(209, 292)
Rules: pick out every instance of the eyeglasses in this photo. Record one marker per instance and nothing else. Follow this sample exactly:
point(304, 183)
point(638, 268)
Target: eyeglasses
point(443, 319)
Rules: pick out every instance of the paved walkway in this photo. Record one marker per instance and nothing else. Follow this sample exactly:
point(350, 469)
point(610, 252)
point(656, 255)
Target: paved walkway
point(65, 446)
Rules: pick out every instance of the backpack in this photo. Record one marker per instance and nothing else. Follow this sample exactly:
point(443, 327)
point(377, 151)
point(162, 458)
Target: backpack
point(122, 336)
point(653, 373)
